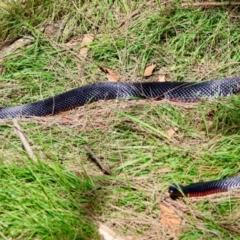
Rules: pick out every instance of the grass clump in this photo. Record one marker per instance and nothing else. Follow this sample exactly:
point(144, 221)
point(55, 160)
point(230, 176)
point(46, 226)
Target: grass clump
point(39, 202)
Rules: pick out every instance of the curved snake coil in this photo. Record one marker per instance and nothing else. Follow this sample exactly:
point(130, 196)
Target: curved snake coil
point(174, 91)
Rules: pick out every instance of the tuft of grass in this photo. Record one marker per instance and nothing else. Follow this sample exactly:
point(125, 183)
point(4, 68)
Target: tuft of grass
point(39, 202)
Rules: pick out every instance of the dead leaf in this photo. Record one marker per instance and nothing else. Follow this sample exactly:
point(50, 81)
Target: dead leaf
point(88, 38)
point(149, 70)
point(112, 76)
point(14, 45)
point(162, 78)
point(109, 234)
point(170, 221)
point(72, 43)
point(170, 132)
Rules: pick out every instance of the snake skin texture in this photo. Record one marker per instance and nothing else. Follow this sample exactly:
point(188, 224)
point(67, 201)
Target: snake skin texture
point(174, 91)
point(205, 188)
point(205, 90)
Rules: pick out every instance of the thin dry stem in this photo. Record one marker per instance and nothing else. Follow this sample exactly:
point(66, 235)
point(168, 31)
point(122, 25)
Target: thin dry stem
point(97, 160)
point(24, 140)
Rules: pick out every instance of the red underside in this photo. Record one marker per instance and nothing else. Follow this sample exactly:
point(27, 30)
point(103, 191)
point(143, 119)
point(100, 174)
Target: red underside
point(200, 194)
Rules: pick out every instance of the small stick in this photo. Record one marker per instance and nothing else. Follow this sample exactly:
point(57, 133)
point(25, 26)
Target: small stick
point(210, 4)
point(229, 227)
point(97, 160)
point(23, 139)
point(131, 15)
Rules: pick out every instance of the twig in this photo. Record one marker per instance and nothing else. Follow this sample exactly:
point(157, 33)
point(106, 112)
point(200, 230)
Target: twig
point(230, 227)
point(97, 160)
point(24, 140)
point(210, 4)
point(131, 15)
point(83, 15)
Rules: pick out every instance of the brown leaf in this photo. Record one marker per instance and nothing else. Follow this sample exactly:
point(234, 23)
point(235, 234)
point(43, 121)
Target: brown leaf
point(111, 75)
point(88, 38)
point(72, 43)
point(170, 221)
point(170, 132)
point(162, 78)
point(149, 70)
point(8, 48)
point(109, 234)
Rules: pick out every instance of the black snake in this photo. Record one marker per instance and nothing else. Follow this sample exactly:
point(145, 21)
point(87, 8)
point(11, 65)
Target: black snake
point(174, 91)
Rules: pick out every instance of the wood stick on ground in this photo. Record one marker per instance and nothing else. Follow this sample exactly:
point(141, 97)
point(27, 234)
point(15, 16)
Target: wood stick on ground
point(24, 140)
point(230, 227)
point(210, 4)
point(131, 15)
point(97, 160)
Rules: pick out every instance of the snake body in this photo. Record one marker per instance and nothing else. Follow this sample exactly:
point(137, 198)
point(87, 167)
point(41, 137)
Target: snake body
point(204, 188)
point(174, 91)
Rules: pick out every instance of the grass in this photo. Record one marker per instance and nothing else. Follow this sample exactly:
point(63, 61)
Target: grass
point(38, 202)
point(65, 196)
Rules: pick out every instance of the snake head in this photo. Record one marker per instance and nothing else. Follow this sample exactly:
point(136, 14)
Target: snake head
point(175, 191)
